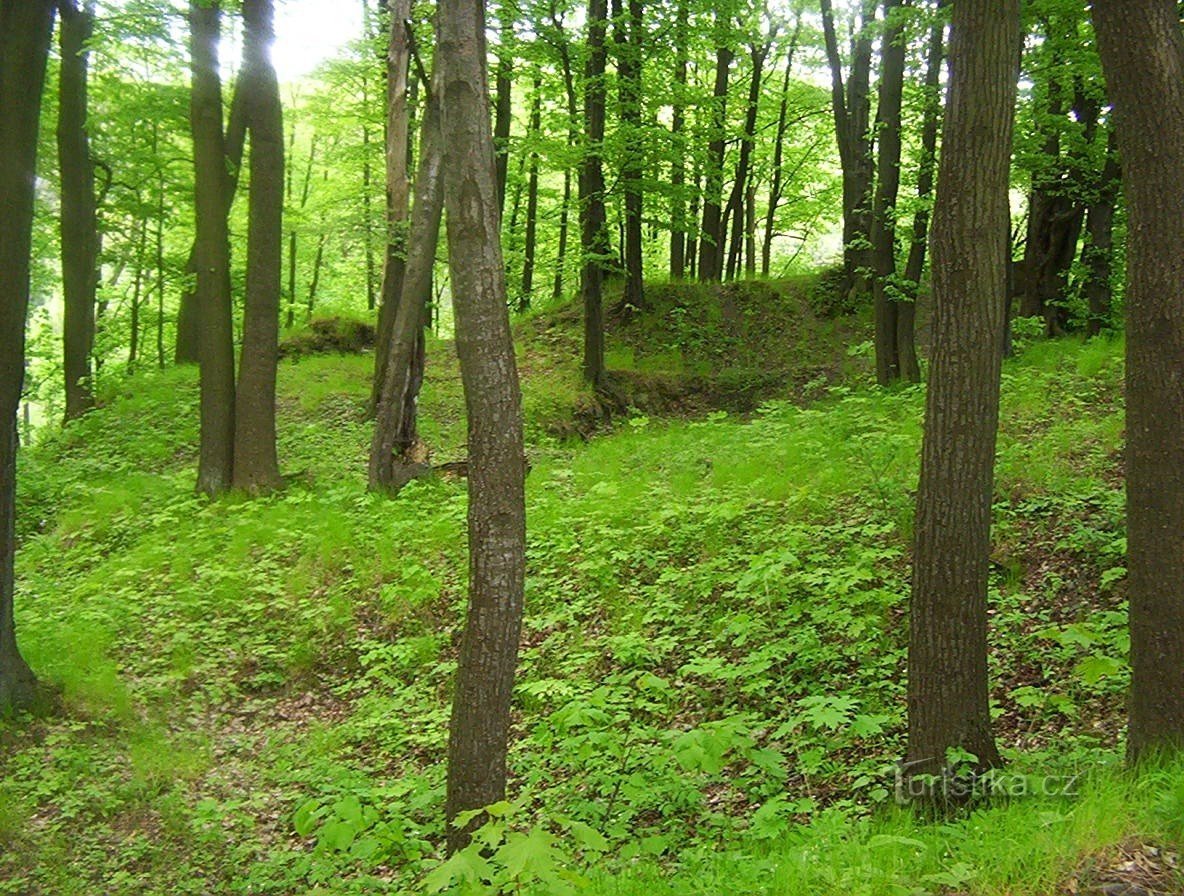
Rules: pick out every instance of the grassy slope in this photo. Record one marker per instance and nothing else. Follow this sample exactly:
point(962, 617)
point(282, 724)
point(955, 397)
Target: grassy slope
point(256, 692)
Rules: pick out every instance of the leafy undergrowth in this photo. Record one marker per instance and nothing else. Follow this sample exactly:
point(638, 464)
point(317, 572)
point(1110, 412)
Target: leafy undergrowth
point(255, 693)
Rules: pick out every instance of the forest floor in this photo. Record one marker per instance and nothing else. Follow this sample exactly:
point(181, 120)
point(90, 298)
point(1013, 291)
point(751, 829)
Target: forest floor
point(254, 694)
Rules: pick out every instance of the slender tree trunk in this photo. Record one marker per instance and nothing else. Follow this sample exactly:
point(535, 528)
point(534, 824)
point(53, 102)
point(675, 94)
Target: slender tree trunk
point(212, 256)
point(160, 272)
point(883, 235)
point(678, 165)
point(711, 235)
point(504, 107)
point(395, 423)
point(367, 179)
point(256, 467)
point(948, 707)
point(187, 350)
point(692, 252)
point(532, 196)
point(775, 185)
point(26, 29)
point(398, 187)
point(318, 261)
point(1148, 102)
point(593, 218)
point(133, 352)
point(558, 38)
point(1098, 252)
point(479, 728)
point(629, 63)
point(79, 220)
point(906, 342)
point(744, 163)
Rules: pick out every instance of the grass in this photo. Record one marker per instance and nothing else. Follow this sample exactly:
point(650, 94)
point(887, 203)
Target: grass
point(255, 693)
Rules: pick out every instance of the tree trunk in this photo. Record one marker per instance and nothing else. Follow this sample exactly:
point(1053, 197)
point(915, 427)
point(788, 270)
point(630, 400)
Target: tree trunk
point(948, 708)
point(256, 467)
point(395, 423)
point(133, 350)
point(215, 325)
point(1148, 102)
point(906, 342)
point(504, 106)
point(629, 64)
point(883, 235)
point(775, 185)
point(398, 188)
point(187, 349)
point(711, 234)
point(678, 164)
point(593, 218)
point(479, 728)
point(735, 209)
point(532, 197)
point(79, 221)
point(26, 29)
point(1098, 252)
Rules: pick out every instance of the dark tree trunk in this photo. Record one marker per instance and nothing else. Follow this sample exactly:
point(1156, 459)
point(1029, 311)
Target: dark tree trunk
point(532, 197)
point(212, 255)
point(775, 186)
point(692, 254)
point(187, 349)
point(479, 728)
point(395, 423)
point(735, 209)
point(852, 110)
point(26, 28)
point(1098, 252)
point(629, 62)
point(504, 106)
point(678, 165)
point(593, 218)
point(79, 220)
point(883, 235)
point(398, 188)
point(133, 351)
point(906, 342)
point(711, 235)
point(256, 467)
point(947, 689)
point(1148, 102)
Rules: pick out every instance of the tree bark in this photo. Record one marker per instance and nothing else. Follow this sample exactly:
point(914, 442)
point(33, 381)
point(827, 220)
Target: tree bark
point(1098, 252)
point(504, 105)
point(395, 422)
point(79, 217)
point(883, 234)
point(629, 64)
point(256, 466)
point(735, 209)
point(593, 218)
point(398, 187)
point(479, 728)
point(1143, 61)
point(26, 29)
point(711, 236)
point(948, 706)
point(212, 256)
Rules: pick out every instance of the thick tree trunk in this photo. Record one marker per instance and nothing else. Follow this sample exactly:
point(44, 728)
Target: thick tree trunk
point(256, 467)
point(26, 28)
point(215, 325)
point(532, 197)
point(1148, 102)
point(395, 422)
point(398, 187)
point(678, 164)
point(629, 62)
point(948, 708)
point(593, 218)
point(906, 342)
point(187, 349)
point(711, 235)
point(883, 235)
point(479, 728)
point(79, 219)
point(1098, 252)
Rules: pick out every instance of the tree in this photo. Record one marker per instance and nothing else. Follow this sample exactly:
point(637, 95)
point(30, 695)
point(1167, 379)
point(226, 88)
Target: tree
point(256, 468)
point(1142, 52)
point(215, 325)
point(26, 28)
point(593, 220)
point(947, 667)
point(711, 236)
point(79, 220)
point(479, 727)
point(629, 43)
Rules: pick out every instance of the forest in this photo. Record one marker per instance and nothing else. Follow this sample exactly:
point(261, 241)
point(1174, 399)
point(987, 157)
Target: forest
point(592, 447)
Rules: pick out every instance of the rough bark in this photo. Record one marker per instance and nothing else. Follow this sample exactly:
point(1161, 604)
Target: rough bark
point(398, 187)
point(79, 218)
point(212, 256)
point(26, 28)
point(593, 218)
point(256, 466)
point(947, 690)
point(479, 728)
point(883, 233)
point(395, 422)
point(1143, 60)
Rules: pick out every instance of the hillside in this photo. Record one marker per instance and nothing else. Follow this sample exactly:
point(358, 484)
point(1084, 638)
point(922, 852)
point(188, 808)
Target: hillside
point(255, 693)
